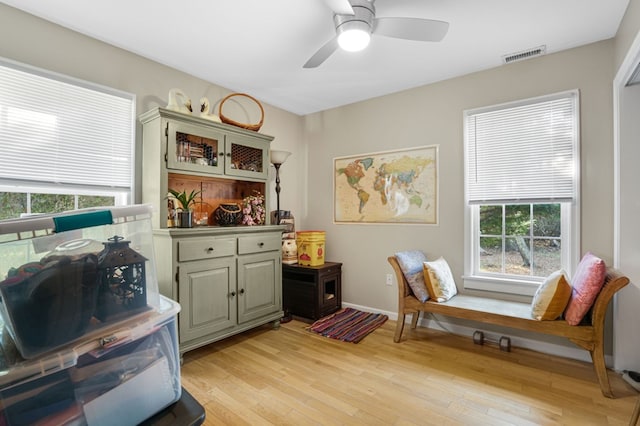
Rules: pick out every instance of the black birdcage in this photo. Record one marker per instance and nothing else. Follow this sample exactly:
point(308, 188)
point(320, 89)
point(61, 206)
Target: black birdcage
point(122, 280)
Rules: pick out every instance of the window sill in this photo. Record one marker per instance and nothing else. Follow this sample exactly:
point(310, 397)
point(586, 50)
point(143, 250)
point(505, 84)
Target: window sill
point(498, 285)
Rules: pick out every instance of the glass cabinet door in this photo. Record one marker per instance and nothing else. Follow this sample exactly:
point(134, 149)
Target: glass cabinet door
point(193, 148)
point(246, 158)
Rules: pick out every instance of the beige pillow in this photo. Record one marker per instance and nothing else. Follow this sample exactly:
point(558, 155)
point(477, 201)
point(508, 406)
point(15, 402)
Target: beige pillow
point(439, 280)
point(552, 297)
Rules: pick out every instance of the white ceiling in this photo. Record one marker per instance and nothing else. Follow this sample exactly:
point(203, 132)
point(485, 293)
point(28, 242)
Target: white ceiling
point(259, 46)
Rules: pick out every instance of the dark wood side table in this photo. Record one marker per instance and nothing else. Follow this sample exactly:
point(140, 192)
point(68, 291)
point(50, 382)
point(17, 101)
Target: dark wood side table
point(312, 292)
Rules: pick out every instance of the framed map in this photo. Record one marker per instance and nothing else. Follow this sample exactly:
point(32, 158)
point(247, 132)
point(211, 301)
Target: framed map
point(387, 187)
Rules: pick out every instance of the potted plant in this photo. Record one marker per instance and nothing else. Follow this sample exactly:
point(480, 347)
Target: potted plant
point(185, 201)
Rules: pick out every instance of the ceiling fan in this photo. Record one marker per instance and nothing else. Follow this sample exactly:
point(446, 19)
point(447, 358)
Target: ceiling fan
point(356, 21)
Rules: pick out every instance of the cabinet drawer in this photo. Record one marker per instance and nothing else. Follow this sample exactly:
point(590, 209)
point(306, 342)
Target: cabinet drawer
point(205, 248)
point(259, 243)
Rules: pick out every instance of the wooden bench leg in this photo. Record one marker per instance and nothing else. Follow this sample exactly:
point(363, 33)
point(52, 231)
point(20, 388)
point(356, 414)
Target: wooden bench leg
point(597, 357)
point(399, 327)
point(414, 319)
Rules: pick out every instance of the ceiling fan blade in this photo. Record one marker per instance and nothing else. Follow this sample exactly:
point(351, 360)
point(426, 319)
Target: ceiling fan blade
point(322, 54)
point(411, 28)
point(341, 7)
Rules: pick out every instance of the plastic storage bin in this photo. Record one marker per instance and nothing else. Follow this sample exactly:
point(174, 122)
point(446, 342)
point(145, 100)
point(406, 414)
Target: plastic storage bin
point(122, 377)
point(64, 276)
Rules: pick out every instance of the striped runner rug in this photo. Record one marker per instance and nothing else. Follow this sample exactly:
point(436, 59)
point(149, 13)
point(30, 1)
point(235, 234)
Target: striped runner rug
point(348, 325)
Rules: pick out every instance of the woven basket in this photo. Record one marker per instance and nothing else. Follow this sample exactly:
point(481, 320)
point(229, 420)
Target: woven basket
point(254, 127)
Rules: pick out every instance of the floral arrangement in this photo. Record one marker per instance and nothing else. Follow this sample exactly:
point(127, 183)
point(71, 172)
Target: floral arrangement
point(253, 211)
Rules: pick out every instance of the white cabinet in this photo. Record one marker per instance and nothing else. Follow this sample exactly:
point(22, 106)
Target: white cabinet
point(212, 149)
point(207, 291)
point(184, 152)
point(259, 276)
point(227, 280)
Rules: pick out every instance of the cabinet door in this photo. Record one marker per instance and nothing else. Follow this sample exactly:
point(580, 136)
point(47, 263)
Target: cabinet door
point(207, 297)
point(259, 285)
point(194, 148)
point(246, 157)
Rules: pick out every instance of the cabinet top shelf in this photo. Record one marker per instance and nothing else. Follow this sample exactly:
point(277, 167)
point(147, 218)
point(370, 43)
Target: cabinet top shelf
point(167, 113)
point(218, 230)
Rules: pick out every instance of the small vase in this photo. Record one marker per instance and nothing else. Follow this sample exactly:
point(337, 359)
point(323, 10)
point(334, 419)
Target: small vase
point(228, 214)
point(185, 219)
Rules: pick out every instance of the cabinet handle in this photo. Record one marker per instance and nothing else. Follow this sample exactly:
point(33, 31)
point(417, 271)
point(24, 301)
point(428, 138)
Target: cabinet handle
point(233, 293)
point(229, 154)
point(210, 249)
point(221, 154)
point(242, 291)
point(260, 244)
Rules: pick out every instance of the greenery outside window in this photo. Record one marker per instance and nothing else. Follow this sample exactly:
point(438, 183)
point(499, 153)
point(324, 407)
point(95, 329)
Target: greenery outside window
point(521, 191)
point(16, 204)
point(65, 143)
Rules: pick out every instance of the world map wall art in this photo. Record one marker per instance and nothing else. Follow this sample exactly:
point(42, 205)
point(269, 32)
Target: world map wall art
point(387, 187)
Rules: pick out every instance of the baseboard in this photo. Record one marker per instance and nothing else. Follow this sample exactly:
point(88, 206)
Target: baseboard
point(517, 341)
point(392, 315)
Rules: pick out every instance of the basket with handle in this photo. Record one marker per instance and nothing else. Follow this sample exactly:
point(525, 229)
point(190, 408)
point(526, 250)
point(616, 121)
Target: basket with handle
point(254, 127)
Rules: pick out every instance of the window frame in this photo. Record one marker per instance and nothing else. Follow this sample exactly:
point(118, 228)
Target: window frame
point(570, 215)
point(29, 188)
point(122, 194)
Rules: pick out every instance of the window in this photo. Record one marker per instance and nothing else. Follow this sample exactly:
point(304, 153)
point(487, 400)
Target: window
point(64, 143)
point(521, 191)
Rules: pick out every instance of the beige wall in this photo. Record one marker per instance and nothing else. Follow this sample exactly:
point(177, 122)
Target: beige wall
point(626, 111)
point(39, 43)
point(627, 32)
point(433, 115)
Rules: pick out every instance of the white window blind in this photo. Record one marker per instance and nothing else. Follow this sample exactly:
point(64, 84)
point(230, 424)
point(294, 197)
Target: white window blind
point(59, 130)
point(523, 152)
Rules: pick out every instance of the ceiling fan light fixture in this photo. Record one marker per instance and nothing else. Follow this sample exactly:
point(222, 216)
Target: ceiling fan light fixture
point(354, 36)
point(355, 22)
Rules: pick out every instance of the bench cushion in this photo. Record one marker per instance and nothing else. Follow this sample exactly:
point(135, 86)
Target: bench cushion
point(483, 305)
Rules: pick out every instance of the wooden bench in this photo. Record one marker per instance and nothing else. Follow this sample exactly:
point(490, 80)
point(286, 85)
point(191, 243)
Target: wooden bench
point(517, 315)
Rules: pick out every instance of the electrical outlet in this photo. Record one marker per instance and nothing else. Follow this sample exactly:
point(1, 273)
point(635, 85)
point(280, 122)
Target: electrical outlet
point(389, 279)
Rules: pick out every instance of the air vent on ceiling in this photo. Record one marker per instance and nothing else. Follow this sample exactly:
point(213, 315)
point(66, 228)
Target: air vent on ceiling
point(525, 54)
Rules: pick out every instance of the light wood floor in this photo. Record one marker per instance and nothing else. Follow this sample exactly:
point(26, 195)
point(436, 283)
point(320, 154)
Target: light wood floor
point(291, 376)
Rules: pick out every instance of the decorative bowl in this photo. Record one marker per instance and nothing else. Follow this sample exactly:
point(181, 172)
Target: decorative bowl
point(228, 214)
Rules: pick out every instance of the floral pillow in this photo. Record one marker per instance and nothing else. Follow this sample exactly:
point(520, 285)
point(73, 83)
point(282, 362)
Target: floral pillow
point(439, 280)
point(411, 265)
point(586, 284)
point(551, 298)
